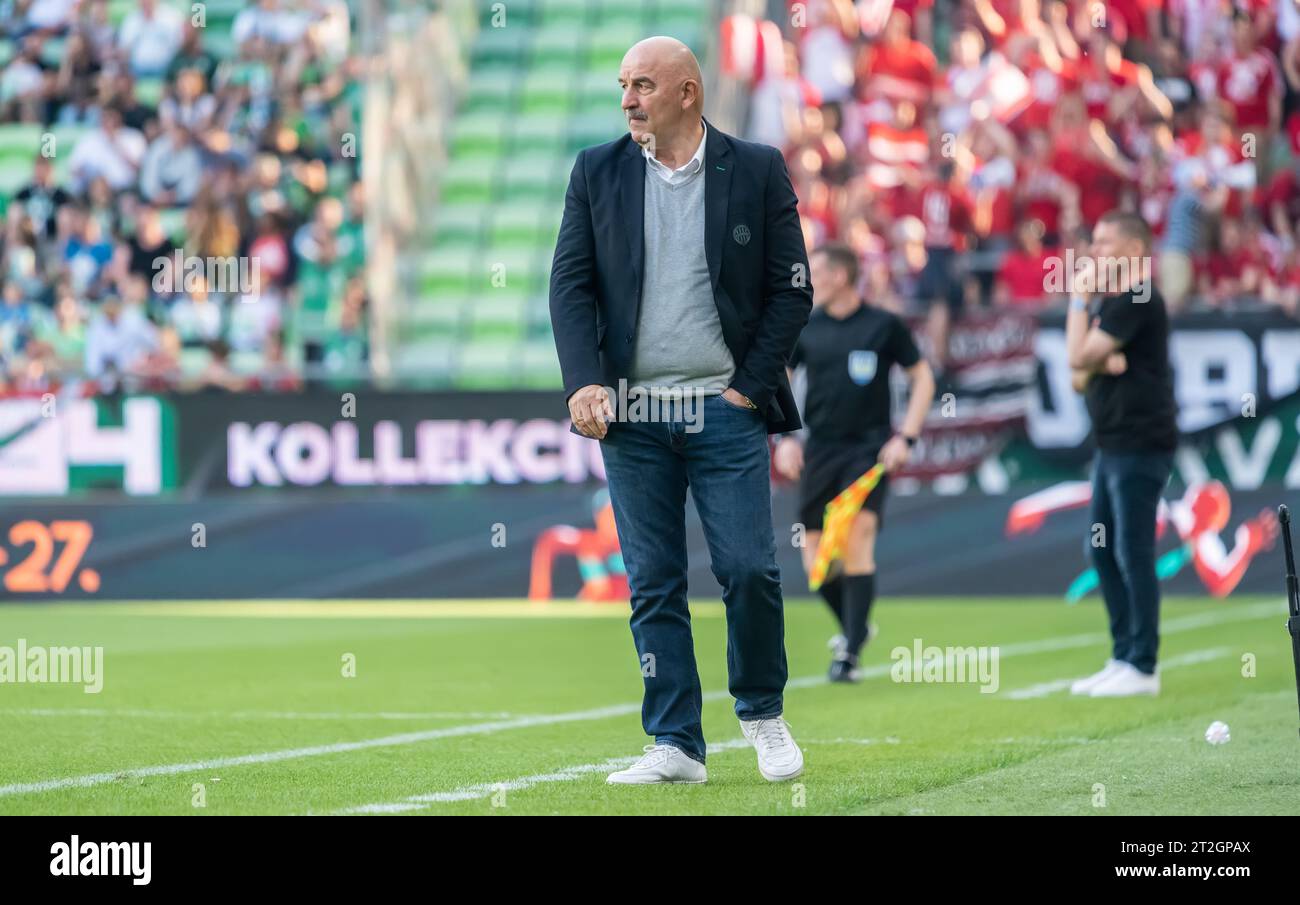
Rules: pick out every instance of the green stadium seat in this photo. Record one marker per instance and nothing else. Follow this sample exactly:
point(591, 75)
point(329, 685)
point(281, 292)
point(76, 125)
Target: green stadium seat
point(590, 129)
point(446, 271)
point(477, 135)
point(471, 180)
point(534, 176)
point(608, 44)
point(434, 318)
point(537, 316)
point(518, 223)
point(492, 90)
point(598, 89)
point(508, 267)
point(516, 13)
point(565, 13)
point(497, 314)
point(501, 46)
point(680, 9)
point(458, 225)
point(557, 45)
point(548, 89)
point(485, 364)
point(538, 134)
point(539, 366)
point(430, 360)
point(634, 12)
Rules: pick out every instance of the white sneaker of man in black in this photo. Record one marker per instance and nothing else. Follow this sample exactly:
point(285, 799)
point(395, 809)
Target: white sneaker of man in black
point(1085, 685)
point(779, 758)
point(661, 763)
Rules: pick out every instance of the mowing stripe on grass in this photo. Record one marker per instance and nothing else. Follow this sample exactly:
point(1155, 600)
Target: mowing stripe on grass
point(1191, 658)
point(257, 714)
point(1173, 626)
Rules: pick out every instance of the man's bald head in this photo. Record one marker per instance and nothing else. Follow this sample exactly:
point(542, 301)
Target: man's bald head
point(663, 90)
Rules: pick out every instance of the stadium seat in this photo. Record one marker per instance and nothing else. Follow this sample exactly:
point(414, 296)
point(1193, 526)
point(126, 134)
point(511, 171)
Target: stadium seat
point(434, 318)
point(558, 45)
point(458, 225)
point(500, 46)
point(485, 364)
point(564, 13)
point(519, 223)
point(548, 90)
point(470, 180)
point(539, 366)
point(497, 314)
point(492, 90)
point(505, 266)
point(478, 135)
point(590, 129)
point(535, 176)
point(609, 43)
point(538, 134)
point(445, 271)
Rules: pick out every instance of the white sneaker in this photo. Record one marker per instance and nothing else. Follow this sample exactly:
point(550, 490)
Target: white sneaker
point(779, 758)
point(1085, 685)
point(1127, 682)
point(661, 763)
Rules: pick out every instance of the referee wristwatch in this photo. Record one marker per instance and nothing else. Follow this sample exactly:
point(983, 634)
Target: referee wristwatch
point(909, 440)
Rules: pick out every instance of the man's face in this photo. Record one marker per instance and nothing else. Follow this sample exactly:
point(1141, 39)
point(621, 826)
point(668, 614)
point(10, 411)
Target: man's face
point(1108, 241)
point(826, 278)
point(652, 100)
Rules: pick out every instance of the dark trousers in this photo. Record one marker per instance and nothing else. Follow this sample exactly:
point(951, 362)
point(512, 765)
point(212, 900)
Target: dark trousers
point(1126, 490)
point(726, 465)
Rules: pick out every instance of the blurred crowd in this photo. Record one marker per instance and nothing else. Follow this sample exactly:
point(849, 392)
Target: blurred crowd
point(184, 158)
point(958, 145)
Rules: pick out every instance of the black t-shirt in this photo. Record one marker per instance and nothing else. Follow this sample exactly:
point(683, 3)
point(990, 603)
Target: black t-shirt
point(848, 364)
point(1135, 411)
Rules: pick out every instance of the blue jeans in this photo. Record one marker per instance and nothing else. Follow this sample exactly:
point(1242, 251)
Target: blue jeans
point(1126, 490)
point(726, 464)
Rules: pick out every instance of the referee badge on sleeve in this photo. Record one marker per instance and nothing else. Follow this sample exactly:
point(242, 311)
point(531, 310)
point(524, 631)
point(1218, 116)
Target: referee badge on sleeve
point(862, 366)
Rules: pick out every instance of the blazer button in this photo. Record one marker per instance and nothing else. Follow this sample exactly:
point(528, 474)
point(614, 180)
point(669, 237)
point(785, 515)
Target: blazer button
point(629, 337)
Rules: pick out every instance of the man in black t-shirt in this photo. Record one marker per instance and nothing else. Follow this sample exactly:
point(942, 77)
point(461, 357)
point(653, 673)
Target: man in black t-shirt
point(847, 349)
point(1118, 350)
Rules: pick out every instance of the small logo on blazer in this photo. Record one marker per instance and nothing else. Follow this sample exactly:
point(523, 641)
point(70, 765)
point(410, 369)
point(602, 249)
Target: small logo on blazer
point(741, 234)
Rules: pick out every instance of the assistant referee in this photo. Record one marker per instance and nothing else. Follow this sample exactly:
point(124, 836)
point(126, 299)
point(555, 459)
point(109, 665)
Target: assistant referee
point(848, 349)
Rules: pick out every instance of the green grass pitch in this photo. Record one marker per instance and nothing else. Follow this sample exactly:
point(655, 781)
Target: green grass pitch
point(505, 708)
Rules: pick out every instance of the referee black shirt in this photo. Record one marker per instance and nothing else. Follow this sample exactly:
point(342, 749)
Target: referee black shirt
point(848, 364)
point(1135, 411)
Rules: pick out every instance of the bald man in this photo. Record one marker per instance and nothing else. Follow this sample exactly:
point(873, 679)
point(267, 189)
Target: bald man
point(678, 290)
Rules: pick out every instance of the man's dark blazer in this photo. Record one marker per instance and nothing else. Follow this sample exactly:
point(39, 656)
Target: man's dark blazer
point(755, 250)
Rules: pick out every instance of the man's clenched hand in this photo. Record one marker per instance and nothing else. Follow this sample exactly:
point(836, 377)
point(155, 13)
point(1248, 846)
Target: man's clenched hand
point(591, 411)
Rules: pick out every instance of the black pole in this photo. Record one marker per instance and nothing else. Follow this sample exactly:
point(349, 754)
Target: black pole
point(1292, 594)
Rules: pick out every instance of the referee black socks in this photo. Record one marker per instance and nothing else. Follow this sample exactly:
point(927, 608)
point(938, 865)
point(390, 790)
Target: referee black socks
point(833, 593)
point(859, 592)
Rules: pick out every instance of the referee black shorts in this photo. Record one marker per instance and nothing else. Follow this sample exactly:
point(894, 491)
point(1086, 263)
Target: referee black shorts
point(828, 469)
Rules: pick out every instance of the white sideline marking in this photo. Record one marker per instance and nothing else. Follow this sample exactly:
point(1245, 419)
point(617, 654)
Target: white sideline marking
point(423, 801)
point(485, 789)
point(1191, 658)
point(1172, 626)
point(260, 714)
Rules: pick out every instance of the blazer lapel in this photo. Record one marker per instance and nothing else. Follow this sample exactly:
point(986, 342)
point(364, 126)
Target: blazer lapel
point(632, 197)
point(717, 197)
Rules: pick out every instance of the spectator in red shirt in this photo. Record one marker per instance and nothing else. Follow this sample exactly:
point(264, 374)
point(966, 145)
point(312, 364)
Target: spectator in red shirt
point(1021, 275)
